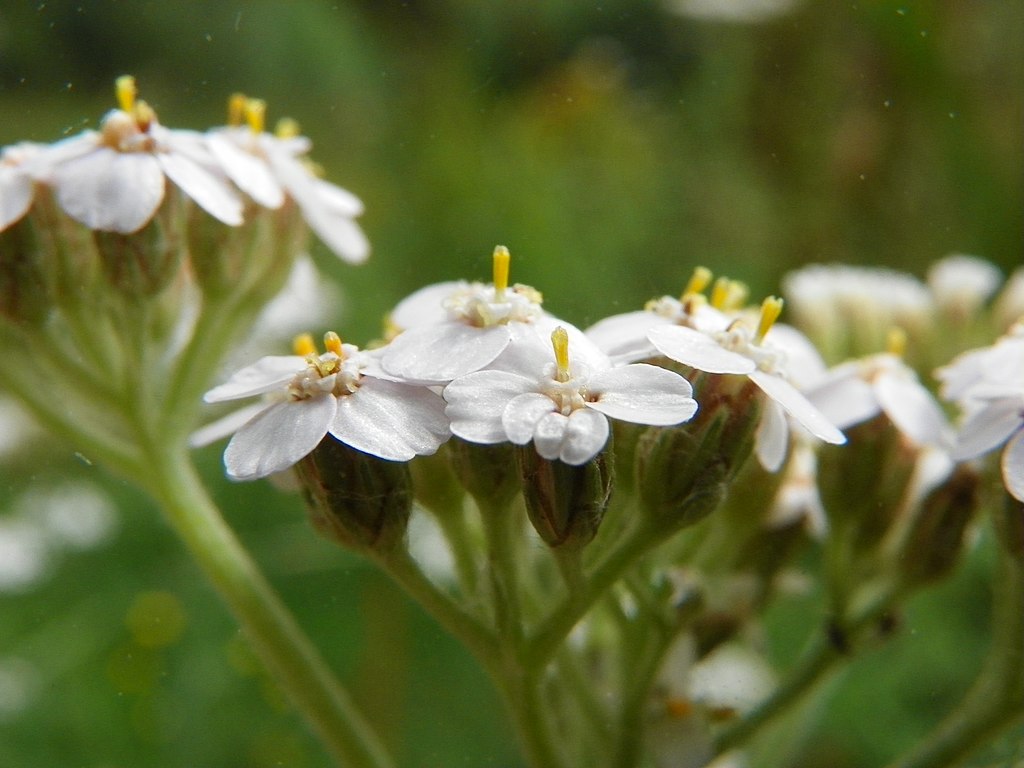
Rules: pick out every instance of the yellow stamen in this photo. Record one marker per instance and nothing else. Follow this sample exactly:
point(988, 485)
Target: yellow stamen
point(255, 114)
point(501, 261)
point(700, 280)
point(771, 308)
point(332, 342)
point(896, 342)
point(126, 92)
point(560, 341)
point(287, 128)
point(144, 115)
point(720, 292)
point(303, 345)
point(236, 109)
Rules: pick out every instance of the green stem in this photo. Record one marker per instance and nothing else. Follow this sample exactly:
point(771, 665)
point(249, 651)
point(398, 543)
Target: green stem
point(295, 663)
point(461, 625)
point(996, 701)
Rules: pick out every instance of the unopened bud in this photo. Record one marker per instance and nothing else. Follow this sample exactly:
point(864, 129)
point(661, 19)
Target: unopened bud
point(355, 499)
point(435, 485)
point(936, 533)
point(565, 503)
point(683, 472)
point(487, 472)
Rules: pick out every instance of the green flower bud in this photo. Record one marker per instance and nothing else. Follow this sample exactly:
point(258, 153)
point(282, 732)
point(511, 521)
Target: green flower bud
point(935, 535)
point(683, 472)
point(487, 472)
point(565, 503)
point(435, 485)
point(355, 499)
point(864, 483)
point(145, 262)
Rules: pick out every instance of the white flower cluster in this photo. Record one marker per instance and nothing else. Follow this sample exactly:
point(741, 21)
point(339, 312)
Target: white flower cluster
point(116, 178)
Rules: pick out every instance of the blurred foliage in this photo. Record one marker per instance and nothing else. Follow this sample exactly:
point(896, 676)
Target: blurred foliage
point(612, 146)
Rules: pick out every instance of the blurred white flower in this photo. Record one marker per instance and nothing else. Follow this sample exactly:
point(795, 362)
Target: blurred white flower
point(961, 284)
point(736, 11)
point(17, 187)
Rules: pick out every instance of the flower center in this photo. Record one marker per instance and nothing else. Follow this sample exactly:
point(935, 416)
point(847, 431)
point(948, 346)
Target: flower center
point(739, 338)
point(565, 391)
point(126, 129)
point(337, 371)
point(485, 305)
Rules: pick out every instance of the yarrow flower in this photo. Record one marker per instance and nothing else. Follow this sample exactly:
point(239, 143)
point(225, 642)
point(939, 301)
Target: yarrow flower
point(115, 179)
point(988, 383)
point(270, 168)
point(739, 349)
point(16, 182)
point(341, 392)
point(451, 329)
point(563, 405)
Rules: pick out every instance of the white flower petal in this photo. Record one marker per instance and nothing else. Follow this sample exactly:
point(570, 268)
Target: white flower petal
point(250, 173)
point(265, 375)
point(521, 415)
point(549, 435)
point(278, 437)
point(698, 350)
point(1012, 463)
point(911, 408)
point(337, 199)
point(477, 401)
point(771, 440)
point(844, 398)
point(210, 193)
point(224, 426)
point(798, 406)
point(989, 427)
point(15, 195)
point(391, 421)
point(111, 191)
point(425, 306)
point(624, 337)
point(586, 436)
point(642, 394)
point(439, 353)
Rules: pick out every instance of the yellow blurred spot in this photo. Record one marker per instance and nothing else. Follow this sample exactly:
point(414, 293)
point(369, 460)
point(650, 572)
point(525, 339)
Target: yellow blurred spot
point(303, 345)
point(332, 342)
point(700, 280)
point(236, 109)
point(678, 708)
point(156, 619)
point(896, 342)
point(125, 90)
point(255, 114)
point(287, 128)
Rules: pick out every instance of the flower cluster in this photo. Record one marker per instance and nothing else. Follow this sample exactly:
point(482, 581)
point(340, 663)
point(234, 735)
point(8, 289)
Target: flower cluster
point(116, 178)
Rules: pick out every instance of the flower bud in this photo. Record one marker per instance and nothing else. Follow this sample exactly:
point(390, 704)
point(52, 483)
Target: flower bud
point(935, 536)
point(487, 472)
point(683, 472)
point(435, 485)
point(355, 499)
point(24, 293)
point(863, 483)
point(565, 503)
point(143, 263)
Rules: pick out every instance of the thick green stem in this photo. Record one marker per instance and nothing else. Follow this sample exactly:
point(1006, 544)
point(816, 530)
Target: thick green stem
point(280, 643)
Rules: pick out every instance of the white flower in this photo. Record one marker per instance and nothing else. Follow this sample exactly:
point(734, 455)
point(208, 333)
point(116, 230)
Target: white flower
point(741, 350)
point(17, 187)
point(268, 168)
point(989, 385)
point(858, 390)
point(623, 337)
point(451, 329)
point(342, 393)
point(563, 406)
point(961, 283)
point(115, 179)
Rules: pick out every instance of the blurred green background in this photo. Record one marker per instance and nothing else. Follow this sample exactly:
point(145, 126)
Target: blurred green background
point(612, 146)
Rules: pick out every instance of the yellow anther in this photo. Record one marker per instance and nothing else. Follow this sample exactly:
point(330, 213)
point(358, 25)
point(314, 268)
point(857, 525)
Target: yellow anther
point(771, 308)
point(255, 114)
point(720, 292)
point(303, 345)
point(126, 92)
point(501, 261)
point(332, 342)
point(728, 295)
point(560, 341)
point(700, 280)
point(236, 109)
point(144, 115)
point(896, 342)
point(287, 128)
